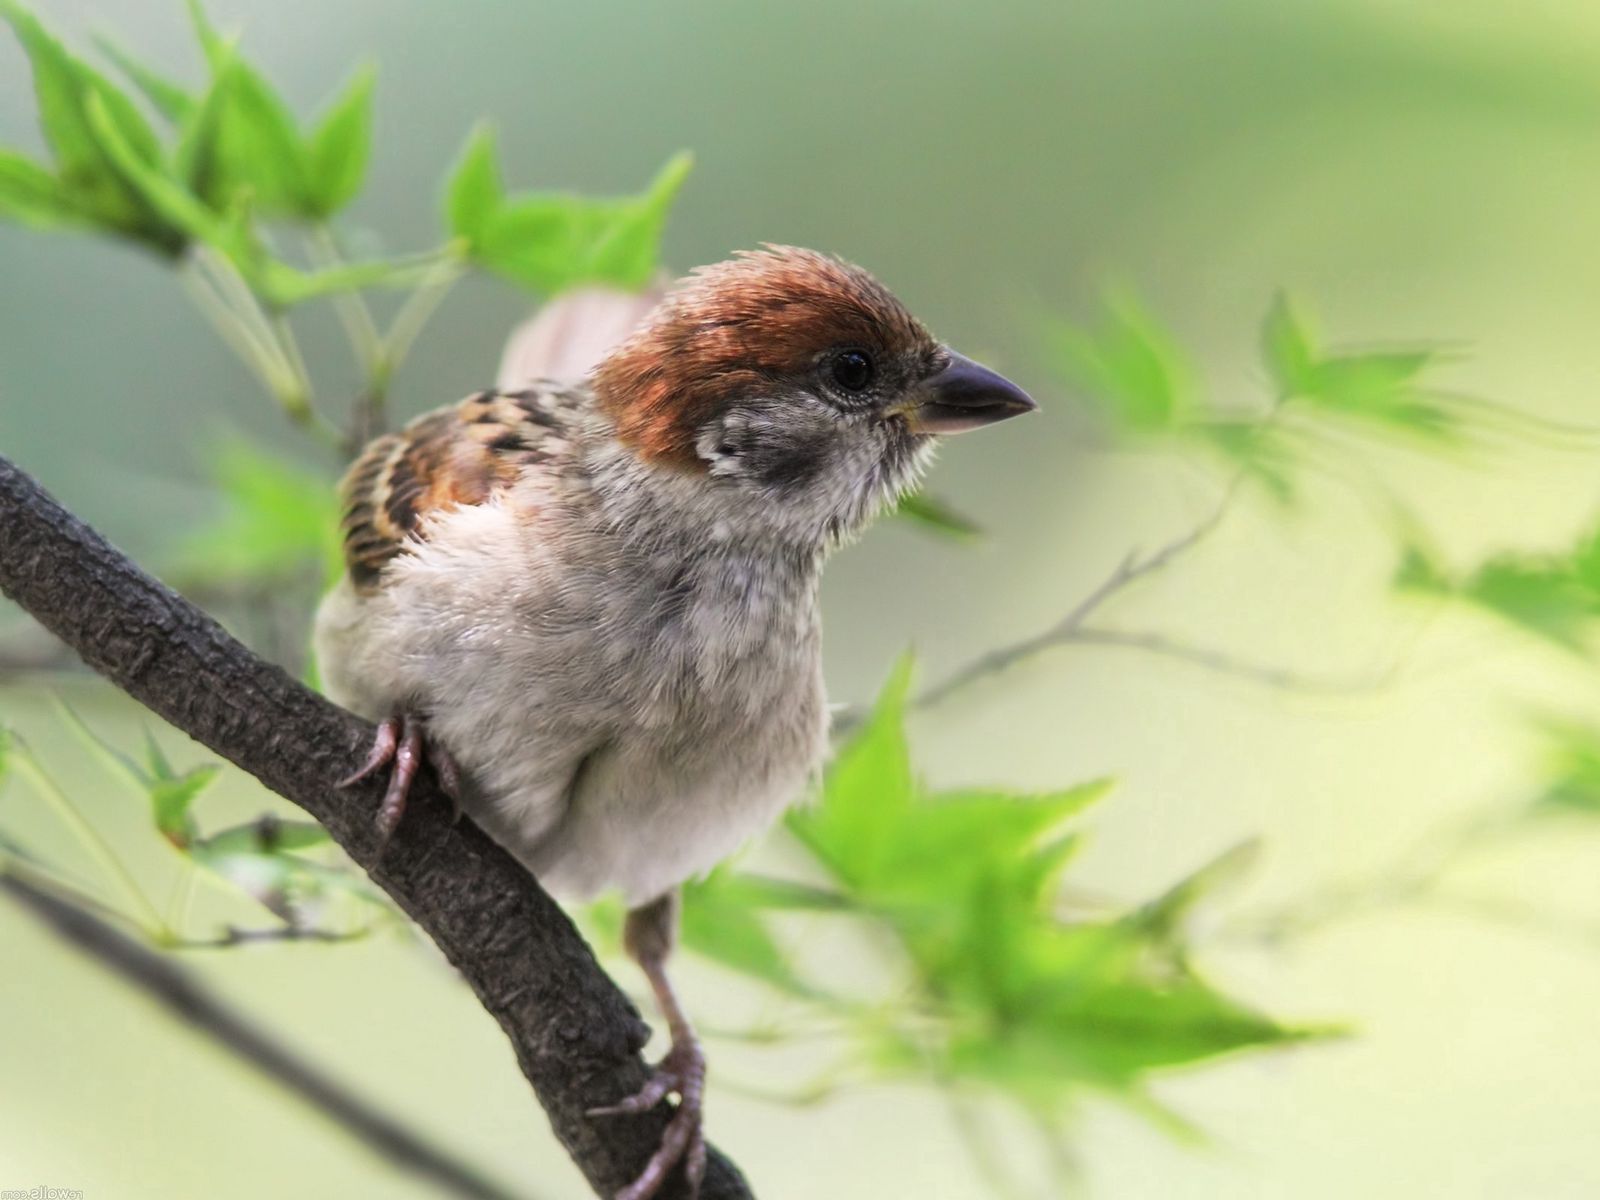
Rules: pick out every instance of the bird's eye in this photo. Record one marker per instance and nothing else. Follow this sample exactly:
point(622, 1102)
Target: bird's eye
point(852, 370)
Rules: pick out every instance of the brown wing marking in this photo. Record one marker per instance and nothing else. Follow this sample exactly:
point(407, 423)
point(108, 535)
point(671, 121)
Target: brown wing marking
point(452, 456)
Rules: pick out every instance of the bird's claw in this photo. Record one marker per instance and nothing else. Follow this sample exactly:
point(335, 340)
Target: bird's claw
point(683, 1072)
point(401, 745)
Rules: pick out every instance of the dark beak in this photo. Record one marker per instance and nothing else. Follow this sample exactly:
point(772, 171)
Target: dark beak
point(964, 396)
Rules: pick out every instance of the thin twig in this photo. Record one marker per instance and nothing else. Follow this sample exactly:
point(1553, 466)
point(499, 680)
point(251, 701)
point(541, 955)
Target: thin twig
point(187, 1001)
point(1281, 678)
point(1129, 571)
point(351, 306)
point(988, 1158)
point(415, 312)
point(260, 356)
point(232, 936)
point(1411, 877)
point(89, 837)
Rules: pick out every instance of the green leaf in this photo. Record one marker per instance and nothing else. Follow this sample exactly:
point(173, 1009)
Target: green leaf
point(1131, 369)
point(867, 792)
point(155, 758)
point(276, 520)
point(1087, 1005)
point(341, 145)
point(214, 45)
point(627, 252)
point(31, 195)
point(171, 798)
point(474, 192)
point(1419, 572)
point(1259, 450)
point(95, 182)
point(268, 834)
point(1385, 388)
point(258, 147)
point(1553, 596)
point(1287, 348)
point(935, 514)
point(1013, 997)
point(722, 921)
point(164, 197)
point(1540, 597)
point(172, 794)
point(1572, 768)
point(1161, 917)
point(549, 241)
point(196, 160)
point(170, 99)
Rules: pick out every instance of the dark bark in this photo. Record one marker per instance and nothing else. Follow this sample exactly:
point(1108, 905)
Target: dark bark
point(576, 1036)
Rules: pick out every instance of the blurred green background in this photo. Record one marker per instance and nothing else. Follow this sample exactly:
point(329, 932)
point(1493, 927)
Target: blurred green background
point(1417, 172)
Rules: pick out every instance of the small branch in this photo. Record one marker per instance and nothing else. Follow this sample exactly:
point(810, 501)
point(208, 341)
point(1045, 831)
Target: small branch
point(354, 313)
point(1410, 878)
point(148, 919)
point(416, 311)
point(1281, 678)
point(232, 936)
point(1129, 571)
point(187, 1001)
point(576, 1037)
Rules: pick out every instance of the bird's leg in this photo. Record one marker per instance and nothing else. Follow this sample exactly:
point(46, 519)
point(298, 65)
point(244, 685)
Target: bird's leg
point(402, 744)
point(649, 934)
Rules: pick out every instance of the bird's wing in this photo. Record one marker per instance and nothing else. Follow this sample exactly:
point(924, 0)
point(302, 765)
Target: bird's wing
point(460, 454)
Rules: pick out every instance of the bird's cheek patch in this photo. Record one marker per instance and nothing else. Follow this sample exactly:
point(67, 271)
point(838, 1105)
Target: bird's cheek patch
point(776, 450)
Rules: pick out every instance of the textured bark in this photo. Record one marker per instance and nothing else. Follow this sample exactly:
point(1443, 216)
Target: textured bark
point(576, 1037)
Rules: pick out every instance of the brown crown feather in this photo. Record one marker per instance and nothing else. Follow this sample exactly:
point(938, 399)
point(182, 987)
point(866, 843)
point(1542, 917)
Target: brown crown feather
point(728, 329)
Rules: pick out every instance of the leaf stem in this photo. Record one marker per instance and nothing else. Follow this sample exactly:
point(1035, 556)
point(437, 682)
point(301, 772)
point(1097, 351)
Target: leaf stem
point(1129, 571)
point(354, 313)
point(416, 311)
point(260, 357)
point(99, 849)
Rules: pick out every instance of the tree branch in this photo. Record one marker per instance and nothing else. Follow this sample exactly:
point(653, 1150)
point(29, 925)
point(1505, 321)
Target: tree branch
point(575, 1035)
point(1129, 571)
point(182, 996)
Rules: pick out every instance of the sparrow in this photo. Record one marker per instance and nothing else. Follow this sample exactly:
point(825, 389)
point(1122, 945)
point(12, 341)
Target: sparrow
point(592, 608)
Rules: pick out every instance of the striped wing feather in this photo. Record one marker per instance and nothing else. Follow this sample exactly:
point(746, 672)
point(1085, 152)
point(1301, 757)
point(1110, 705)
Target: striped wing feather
point(460, 454)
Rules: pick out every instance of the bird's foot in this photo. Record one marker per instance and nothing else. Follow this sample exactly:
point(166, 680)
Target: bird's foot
point(402, 745)
point(682, 1073)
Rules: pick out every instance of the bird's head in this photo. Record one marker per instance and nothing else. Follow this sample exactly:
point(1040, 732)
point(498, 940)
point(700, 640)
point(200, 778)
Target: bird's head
point(796, 380)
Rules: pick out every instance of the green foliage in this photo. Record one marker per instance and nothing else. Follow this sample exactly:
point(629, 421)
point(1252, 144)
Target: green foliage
point(935, 515)
point(1137, 378)
point(236, 153)
point(262, 859)
point(90, 184)
point(245, 139)
point(1572, 767)
point(275, 521)
point(965, 884)
point(723, 921)
point(1555, 597)
point(547, 241)
point(1131, 369)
